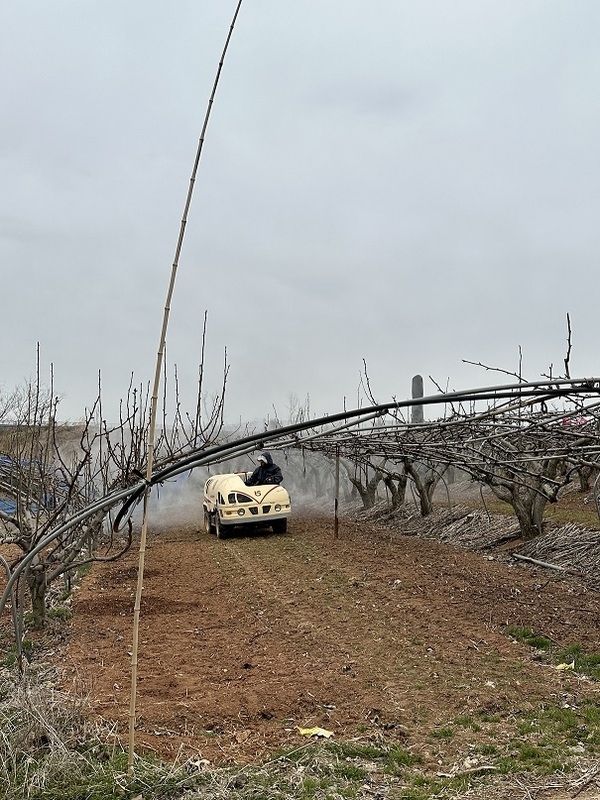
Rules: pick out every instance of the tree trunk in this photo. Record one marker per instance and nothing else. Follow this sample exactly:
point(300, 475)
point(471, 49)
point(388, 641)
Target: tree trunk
point(36, 581)
point(528, 506)
point(529, 516)
point(425, 487)
point(585, 474)
point(396, 485)
point(425, 503)
point(367, 491)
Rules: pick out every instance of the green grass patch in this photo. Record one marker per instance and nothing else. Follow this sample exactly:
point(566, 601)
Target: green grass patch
point(580, 515)
point(486, 749)
point(397, 760)
point(92, 781)
point(467, 722)
point(361, 750)
point(60, 613)
point(11, 658)
point(83, 570)
point(528, 637)
point(446, 733)
point(531, 758)
point(350, 771)
point(583, 663)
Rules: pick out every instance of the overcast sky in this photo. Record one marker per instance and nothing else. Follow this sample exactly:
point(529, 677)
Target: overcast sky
point(408, 182)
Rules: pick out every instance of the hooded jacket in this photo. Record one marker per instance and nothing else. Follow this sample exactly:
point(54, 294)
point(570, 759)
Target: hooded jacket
point(265, 473)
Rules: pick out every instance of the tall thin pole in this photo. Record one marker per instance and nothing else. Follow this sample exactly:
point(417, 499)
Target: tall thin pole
point(336, 519)
point(154, 404)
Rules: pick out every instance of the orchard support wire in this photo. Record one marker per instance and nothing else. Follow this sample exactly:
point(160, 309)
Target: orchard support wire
point(470, 441)
point(343, 432)
point(325, 434)
point(154, 400)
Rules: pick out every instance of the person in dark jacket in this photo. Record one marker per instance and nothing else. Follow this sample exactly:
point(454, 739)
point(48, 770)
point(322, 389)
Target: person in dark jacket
point(266, 472)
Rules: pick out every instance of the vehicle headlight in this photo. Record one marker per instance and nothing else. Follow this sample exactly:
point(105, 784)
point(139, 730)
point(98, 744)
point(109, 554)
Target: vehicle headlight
point(278, 508)
point(241, 512)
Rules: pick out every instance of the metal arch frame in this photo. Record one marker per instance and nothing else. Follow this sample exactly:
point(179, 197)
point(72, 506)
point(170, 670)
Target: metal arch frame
point(537, 391)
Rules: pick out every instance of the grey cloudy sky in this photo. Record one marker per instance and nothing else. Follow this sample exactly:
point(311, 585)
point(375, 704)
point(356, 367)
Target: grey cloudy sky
point(408, 182)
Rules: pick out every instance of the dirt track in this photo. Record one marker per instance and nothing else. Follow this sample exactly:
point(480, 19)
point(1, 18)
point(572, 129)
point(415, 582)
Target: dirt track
point(373, 634)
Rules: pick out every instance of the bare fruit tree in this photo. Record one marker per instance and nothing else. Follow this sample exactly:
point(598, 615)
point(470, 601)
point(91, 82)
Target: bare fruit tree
point(526, 456)
point(47, 471)
point(526, 441)
point(365, 477)
point(57, 481)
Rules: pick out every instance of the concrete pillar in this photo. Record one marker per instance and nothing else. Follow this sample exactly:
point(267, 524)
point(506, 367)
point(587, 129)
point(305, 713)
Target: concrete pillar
point(416, 412)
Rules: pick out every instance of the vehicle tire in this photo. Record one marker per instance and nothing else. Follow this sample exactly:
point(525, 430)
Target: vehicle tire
point(219, 528)
point(208, 526)
point(279, 525)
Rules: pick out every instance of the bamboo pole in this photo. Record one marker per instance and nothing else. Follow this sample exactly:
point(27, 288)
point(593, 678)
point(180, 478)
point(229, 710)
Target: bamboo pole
point(154, 403)
point(336, 522)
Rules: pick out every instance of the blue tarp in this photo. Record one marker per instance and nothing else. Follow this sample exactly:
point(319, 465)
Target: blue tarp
point(8, 507)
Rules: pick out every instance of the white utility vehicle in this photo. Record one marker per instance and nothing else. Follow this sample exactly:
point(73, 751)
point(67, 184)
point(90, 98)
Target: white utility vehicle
point(228, 502)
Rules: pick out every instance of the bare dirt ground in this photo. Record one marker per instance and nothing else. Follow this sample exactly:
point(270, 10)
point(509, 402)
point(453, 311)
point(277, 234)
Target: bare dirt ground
point(373, 634)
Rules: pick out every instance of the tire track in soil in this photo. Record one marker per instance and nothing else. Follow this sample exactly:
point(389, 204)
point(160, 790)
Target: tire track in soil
point(243, 639)
point(400, 655)
point(306, 617)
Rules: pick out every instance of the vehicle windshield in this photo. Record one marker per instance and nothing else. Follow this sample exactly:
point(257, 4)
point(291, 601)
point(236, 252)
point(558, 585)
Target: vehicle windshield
point(237, 497)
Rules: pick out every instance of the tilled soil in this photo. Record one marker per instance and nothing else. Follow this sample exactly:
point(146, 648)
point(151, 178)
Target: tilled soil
point(374, 634)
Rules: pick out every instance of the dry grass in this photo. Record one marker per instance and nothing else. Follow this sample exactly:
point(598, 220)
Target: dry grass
point(49, 751)
point(41, 732)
